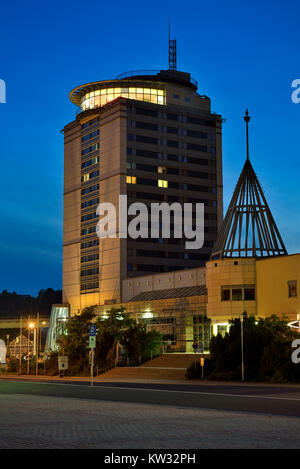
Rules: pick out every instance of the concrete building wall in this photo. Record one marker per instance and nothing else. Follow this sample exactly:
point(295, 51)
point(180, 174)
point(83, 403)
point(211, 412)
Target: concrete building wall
point(229, 272)
point(273, 277)
point(71, 227)
point(147, 283)
point(112, 252)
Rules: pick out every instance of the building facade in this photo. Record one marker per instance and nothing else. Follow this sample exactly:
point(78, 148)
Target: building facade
point(153, 138)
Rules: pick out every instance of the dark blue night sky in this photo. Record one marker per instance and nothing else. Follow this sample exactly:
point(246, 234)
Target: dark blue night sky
point(240, 55)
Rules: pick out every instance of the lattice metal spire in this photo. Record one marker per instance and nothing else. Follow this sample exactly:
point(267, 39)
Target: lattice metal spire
point(172, 51)
point(248, 229)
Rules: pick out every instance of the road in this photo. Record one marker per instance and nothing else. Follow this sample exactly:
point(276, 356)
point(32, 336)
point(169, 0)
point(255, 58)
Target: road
point(110, 415)
point(275, 400)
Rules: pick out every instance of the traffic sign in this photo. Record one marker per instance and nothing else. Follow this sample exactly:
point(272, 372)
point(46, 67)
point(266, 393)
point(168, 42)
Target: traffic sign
point(62, 363)
point(92, 341)
point(93, 331)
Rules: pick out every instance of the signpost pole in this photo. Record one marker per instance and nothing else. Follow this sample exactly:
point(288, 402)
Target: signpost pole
point(92, 346)
point(92, 367)
point(202, 367)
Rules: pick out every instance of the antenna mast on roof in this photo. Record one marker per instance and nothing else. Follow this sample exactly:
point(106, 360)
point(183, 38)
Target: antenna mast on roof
point(172, 51)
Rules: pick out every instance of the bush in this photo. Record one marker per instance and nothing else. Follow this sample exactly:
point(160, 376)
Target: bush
point(194, 371)
point(267, 351)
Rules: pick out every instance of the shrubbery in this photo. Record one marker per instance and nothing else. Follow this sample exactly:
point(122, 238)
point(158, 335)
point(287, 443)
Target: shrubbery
point(267, 352)
point(117, 328)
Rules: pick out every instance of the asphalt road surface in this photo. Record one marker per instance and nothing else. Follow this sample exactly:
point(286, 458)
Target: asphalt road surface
point(71, 414)
point(275, 400)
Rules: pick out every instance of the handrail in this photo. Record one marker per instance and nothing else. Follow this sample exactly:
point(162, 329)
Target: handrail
point(137, 72)
point(147, 72)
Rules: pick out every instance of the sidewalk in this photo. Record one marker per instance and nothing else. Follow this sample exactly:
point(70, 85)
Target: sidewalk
point(102, 379)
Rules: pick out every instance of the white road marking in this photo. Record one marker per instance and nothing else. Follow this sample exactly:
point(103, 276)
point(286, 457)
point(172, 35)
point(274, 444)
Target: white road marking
point(197, 393)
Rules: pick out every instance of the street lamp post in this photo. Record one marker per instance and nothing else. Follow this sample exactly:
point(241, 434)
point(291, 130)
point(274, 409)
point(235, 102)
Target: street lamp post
point(20, 348)
point(37, 344)
point(242, 347)
point(31, 326)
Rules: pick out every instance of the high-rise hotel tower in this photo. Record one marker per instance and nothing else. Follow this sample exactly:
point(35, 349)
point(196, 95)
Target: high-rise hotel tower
point(152, 137)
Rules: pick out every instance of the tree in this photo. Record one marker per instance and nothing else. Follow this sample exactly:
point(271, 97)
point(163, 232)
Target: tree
point(267, 351)
point(141, 344)
point(75, 340)
point(117, 327)
point(110, 331)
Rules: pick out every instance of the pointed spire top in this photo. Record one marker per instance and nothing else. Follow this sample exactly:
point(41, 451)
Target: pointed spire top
point(247, 120)
point(248, 229)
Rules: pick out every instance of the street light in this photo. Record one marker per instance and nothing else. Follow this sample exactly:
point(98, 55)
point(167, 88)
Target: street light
point(242, 347)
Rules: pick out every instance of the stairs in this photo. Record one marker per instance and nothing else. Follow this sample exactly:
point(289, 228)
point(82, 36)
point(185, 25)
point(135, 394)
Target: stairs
point(165, 367)
point(170, 360)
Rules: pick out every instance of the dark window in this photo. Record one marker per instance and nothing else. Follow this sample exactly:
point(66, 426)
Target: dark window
point(144, 139)
point(146, 112)
point(292, 288)
point(197, 174)
point(196, 133)
point(226, 294)
point(146, 153)
point(172, 130)
point(89, 189)
point(89, 286)
point(89, 203)
point(249, 294)
point(146, 125)
point(87, 272)
point(90, 244)
point(89, 216)
point(198, 121)
point(87, 150)
point(90, 135)
point(90, 257)
point(172, 157)
point(195, 147)
point(91, 162)
point(88, 230)
point(237, 294)
point(172, 143)
point(197, 161)
point(172, 117)
point(89, 123)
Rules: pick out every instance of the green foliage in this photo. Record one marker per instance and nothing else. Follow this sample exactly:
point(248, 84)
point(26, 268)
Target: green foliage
point(267, 351)
point(194, 371)
point(109, 332)
point(75, 339)
point(116, 328)
point(141, 344)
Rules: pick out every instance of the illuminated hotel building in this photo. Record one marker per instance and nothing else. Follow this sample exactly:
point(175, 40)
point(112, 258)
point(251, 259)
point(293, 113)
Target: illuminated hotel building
point(150, 136)
point(153, 138)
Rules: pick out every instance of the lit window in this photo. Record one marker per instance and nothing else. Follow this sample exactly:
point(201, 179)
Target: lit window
point(105, 95)
point(162, 183)
point(161, 169)
point(86, 177)
point(131, 179)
